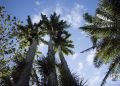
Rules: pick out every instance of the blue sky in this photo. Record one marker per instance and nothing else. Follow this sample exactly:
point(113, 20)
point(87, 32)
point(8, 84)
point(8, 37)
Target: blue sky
point(72, 11)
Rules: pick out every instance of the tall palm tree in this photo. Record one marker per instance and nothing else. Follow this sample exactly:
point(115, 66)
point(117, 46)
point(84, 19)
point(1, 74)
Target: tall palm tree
point(50, 25)
point(64, 45)
point(30, 34)
point(104, 30)
point(59, 36)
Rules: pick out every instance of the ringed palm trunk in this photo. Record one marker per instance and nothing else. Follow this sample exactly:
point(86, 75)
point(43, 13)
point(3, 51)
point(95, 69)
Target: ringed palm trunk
point(63, 61)
point(67, 79)
point(52, 78)
point(25, 75)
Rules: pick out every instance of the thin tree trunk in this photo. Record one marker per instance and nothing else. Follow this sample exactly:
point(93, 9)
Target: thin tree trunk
point(25, 75)
point(63, 61)
point(52, 78)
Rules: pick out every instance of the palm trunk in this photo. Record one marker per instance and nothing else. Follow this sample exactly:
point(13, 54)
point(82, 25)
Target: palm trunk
point(25, 75)
point(69, 78)
point(63, 61)
point(52, 78)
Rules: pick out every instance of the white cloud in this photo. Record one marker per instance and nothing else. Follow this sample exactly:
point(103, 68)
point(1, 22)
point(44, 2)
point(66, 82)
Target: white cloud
point(84, 33)
point(72, 16)
point(80, 64)
point(43, 48)
point(36, 18)
point(42, 45)
point(74, 56)
point(46, 37)
point(90, 57)
point(95, 80)
point(80, 69)
point(47, 11)
point(37, 3)
point(58, 9)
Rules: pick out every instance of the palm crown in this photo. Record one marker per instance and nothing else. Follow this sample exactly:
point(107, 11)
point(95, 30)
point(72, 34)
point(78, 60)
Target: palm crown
point(104, 30)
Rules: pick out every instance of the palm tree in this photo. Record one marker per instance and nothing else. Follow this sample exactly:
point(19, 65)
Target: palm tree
point(61, 42)
point(51, 26)
point(29, 34)
point(59, 36)
point(64, 45)
point(104, 30)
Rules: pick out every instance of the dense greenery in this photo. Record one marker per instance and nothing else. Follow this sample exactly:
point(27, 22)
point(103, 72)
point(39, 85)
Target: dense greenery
point(104, 30)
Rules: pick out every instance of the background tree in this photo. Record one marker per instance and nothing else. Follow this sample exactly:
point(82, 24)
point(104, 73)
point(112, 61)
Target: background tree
point(7, 48)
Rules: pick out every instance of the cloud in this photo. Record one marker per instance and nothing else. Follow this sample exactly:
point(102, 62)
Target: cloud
point(43, 47)
point(97, 78)
point(75, 56)
point(46, 37)
point(80, 64)
point(37, 3)
point(72, 16)
point(90, 57)
point(58, 9)
point(36, 18)
point(80, 69)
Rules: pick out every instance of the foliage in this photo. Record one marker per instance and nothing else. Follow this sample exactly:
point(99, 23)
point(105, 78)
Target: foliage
point(104, 30)
point(8, 43)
